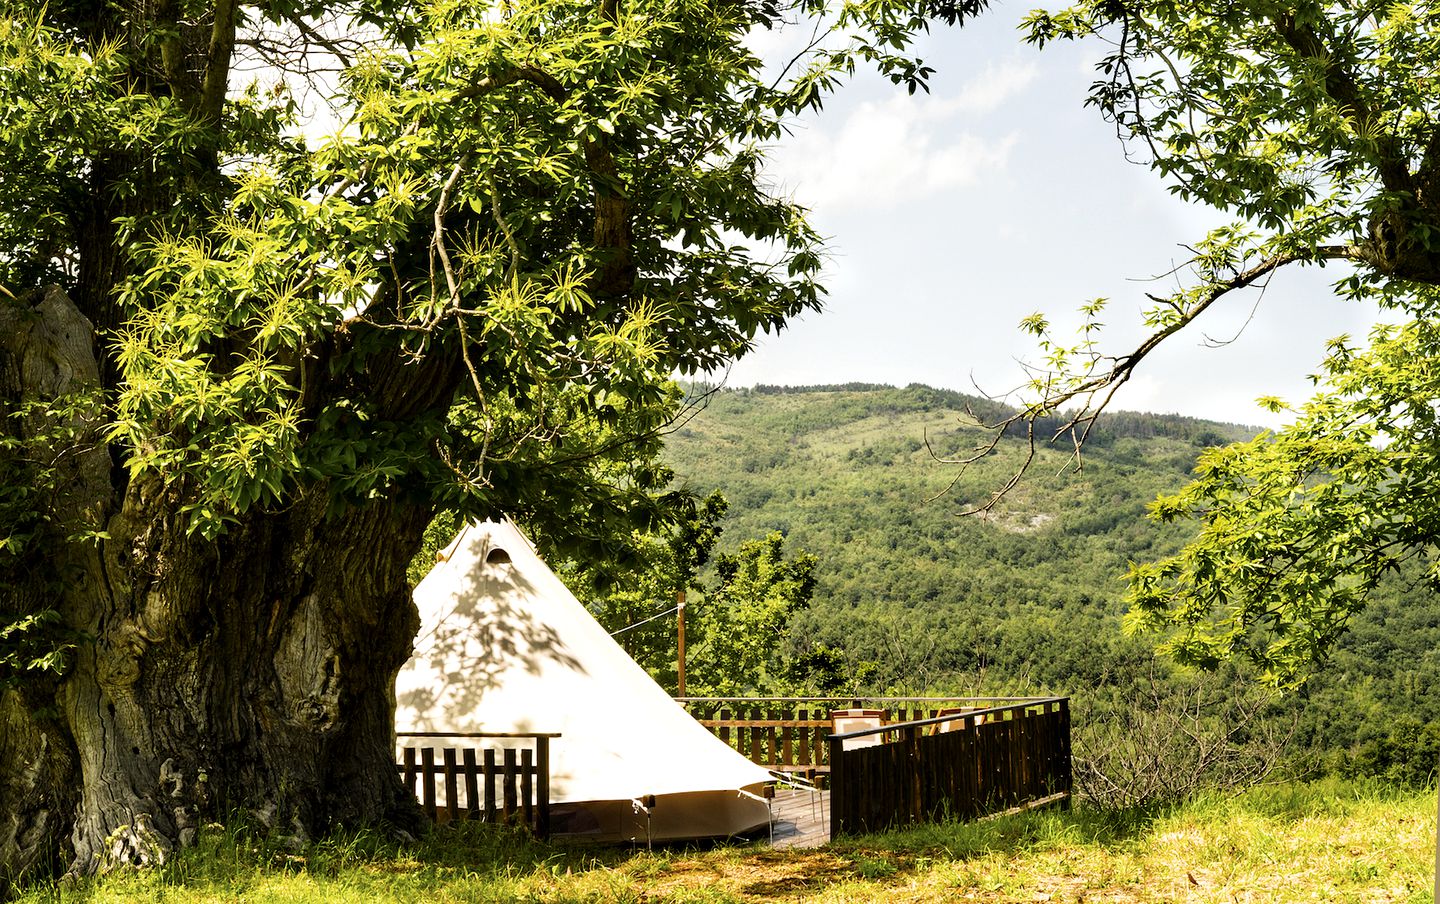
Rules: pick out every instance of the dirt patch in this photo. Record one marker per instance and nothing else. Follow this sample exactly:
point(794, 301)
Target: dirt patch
point(767, 876)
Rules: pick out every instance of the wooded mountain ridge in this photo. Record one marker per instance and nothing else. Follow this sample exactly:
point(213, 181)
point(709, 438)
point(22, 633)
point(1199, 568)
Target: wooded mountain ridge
point(1029, 596)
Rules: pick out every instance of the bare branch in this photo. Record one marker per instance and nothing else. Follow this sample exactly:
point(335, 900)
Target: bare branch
point(1096, 391)
point(1126, 364)
point(334, 48)
point(504, 228)
point(437, 243)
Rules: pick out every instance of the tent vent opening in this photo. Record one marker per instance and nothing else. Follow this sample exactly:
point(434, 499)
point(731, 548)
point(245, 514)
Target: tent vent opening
point(497, 556)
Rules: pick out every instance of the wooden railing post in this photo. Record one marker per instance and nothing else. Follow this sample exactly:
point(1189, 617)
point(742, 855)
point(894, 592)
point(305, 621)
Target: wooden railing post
point(509, 784)
point(839, 792)
point(409, 771)
point(912, 766)
point(452, 785)
point(427, 780)
point(472, 783)
point(542, 787)
point(758, 734)
point(773, 735)
point(527, 787)
point(1067, 775)
point(817, 740)
point(802, 738)
point(490, 808)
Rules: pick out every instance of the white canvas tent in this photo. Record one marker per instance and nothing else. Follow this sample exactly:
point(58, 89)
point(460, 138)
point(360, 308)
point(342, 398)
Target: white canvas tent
point(505, 647)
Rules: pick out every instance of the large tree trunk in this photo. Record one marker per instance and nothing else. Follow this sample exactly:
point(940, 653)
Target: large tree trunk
point(250, 675)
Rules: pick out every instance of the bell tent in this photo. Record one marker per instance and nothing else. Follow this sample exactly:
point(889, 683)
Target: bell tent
point(504, 646)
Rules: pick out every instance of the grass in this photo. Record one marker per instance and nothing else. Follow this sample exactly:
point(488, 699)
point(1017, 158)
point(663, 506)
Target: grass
point(1306, 843)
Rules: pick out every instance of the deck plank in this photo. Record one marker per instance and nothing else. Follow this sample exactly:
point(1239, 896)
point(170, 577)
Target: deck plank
point(801, 818)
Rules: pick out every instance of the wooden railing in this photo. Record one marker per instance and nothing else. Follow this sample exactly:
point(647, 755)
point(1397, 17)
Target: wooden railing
point(788, 734)
point(955, 766)
point(459, 780)
point(781, 735)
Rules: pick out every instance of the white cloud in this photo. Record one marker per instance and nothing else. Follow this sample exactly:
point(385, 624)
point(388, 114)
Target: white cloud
point(998, 84)
point(903, 148)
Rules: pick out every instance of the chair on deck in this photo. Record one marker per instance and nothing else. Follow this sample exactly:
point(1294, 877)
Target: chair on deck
point(844, 721)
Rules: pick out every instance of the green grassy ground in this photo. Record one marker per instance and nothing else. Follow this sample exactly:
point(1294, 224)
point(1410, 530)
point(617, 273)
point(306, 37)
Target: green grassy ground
point(1331, 842)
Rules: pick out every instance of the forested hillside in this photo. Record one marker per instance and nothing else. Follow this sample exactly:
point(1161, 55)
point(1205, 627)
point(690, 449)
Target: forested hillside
point(924, 598)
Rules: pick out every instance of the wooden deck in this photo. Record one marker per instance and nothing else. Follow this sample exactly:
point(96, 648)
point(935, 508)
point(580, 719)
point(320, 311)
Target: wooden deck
point(801, 818)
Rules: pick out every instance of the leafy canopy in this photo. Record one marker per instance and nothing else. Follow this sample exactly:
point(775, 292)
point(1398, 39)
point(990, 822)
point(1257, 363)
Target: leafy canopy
point(474, 292)
point(1315, 127)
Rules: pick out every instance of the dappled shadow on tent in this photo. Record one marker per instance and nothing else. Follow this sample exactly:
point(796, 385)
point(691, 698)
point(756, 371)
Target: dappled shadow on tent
point(507, 648)
point(483, 633)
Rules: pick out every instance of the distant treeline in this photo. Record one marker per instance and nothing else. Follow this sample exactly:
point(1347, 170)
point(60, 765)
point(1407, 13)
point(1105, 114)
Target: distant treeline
point(990, 412)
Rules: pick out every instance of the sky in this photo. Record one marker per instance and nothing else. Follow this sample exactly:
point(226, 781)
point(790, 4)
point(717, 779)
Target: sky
point(951, 216)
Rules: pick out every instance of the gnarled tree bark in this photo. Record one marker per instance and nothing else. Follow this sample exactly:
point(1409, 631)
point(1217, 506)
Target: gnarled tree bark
point(251, 675)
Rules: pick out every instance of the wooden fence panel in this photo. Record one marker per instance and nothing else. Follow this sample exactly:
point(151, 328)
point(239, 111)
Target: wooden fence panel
point(982, 764)
point(517, 788)
point(788, 735)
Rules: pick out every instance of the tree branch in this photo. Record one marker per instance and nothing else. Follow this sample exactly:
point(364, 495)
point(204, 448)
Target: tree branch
point(437, 243)
point(1098, 390)
point(1340, 84)
point(527, 73)
point(217, 64)
point(612, 232)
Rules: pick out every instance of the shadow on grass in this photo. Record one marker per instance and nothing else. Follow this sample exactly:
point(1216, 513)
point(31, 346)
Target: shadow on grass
point(489, 851)
point(477, 848)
